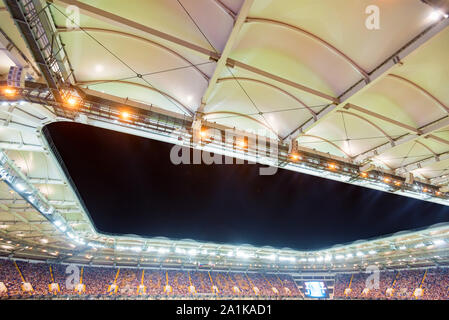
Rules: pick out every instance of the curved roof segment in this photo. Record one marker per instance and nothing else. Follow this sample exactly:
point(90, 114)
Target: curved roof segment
point(352, 100)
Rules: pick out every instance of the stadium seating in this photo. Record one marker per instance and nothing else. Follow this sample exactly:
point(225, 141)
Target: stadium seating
point(395, 285)
point(108, 282)
point(126, 282)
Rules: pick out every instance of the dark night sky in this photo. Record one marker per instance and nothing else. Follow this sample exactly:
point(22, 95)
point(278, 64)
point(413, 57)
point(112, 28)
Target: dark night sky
point(130, 186)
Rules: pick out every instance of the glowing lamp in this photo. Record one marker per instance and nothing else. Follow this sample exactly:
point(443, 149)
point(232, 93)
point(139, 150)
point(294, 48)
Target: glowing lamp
point(332, 166)
point(124, 115)
point(9, 92)
point(241, 144)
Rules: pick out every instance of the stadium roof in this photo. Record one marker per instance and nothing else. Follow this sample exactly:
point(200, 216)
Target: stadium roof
point(337, 98)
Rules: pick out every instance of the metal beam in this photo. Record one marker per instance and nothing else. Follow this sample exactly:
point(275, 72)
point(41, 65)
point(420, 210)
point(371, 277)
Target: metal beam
point(375, 74)
point(36, 180)
point(324, 43)
point(241, 65)
point(221, 63)
point(383, 118)
point(7, 145)
point(17, 56)
point(422, 163)
point(426, 131)
point(22, 20)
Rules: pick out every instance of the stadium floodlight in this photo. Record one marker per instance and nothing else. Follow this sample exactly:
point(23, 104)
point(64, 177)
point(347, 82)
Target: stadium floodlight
point(20, 187)
point(437, 14)
point(439, 242)
point(192, 252)
point(339, 257)
point(360, 254)
point(71, 235)
point(163, 250)
point(242, 254)
point(372, 252)
point(311, 260)
point(136, 249)
point(230, 253)
point(289, 259)
point(270, 257)
point(180, 250)
point(319, 259)
point(60, 225)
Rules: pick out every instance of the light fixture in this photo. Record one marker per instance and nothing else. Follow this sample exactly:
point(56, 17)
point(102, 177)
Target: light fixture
point(294, 157)
point(125, 115)
point(241, 143)
point(9, 92)
point(332, 166)
point(99, 68)
point(437, 14)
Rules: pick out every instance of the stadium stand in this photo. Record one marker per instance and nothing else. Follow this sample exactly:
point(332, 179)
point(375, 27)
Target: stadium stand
point(395, 285)
point(97, 281)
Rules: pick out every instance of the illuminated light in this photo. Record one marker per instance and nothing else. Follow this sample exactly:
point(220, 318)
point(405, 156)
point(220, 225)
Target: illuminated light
point(397, 183)
point(425, 190)
point(295, 157)
point(203, 133)
point(387, 180)
point(20, 187)
point(437, 14)
point(439, 242)
point(99, 68)
point(72, 101)
point(9, 92)
point(125, 115)
point(44, 241)
point(364, 174)
point(241, 143)
point(360, 254)
point(192, 252)
point(163, 250)
point(332, 166)
point(438, 193)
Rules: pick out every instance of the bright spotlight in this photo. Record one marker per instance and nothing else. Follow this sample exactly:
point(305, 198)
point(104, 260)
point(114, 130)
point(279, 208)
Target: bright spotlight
point(332, 166)
point(125, 115)
point(9, 92)
point(241, 143)
point(71, 101)
point(437, 14)
point(294, 157)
